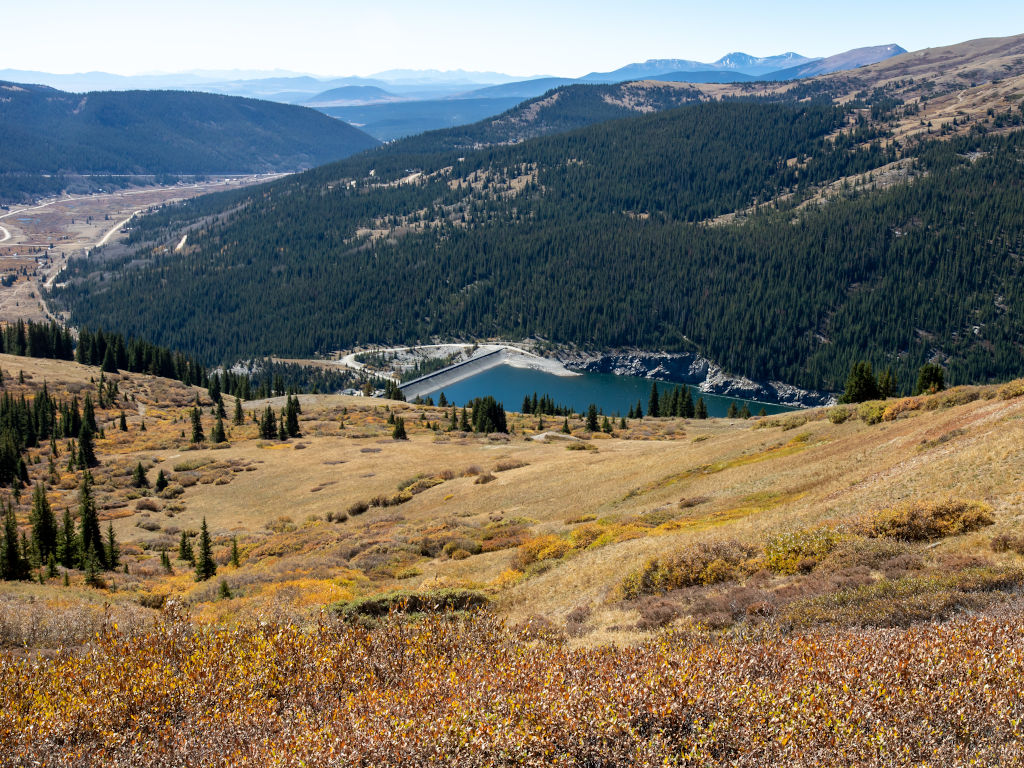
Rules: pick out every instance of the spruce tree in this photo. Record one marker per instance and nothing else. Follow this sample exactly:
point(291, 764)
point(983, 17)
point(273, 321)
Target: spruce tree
point(139, 479)
point(165, 562)
point(653, 408)
point(930, 379)
point(701, 410)
point(89, 412)
point(622, 422)
point(161, 481)
point(44, 524)
point(236, 560)
point(592, 425)
point(268, 424)
point(860, 384)
point(688, 409)
point(217, 433)
point(185, 548)
point(745, 411)
point(292, 416)
point(464, 421)
point(224, 592)
point(122, 423)
point(205, 566)
point(733, 412)
point(113, 553)
point(67, 545)
point(398, 433)
point(606, 426)
point(89, 537)
point(639, 411)
point(86, 447)
point(565, 427)
point(238, 418)
point(13, 565)
point(197, 427)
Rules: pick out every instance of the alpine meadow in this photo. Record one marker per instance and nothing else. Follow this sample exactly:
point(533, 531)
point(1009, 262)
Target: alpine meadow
point(653, 413)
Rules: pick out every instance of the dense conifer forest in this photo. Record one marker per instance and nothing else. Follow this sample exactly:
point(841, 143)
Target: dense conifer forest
point(600, 237)
point(48, 132)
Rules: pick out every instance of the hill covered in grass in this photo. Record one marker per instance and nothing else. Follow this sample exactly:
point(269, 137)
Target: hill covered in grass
point(48, 132)
point(853, 545)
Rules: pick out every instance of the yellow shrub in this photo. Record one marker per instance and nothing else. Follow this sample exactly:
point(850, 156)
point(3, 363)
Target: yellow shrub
point(924, 520)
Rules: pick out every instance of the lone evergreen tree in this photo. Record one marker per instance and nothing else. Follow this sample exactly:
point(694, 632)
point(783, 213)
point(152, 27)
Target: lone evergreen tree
point(90, 538)
point(268, 424)
point(86, 446)
point(238, 418)
point(161, 481)
point(217, 433)
point(622, 422)
point(398, 433)
point(122, 423)
point(197, 427)
point(592, 425)
point(745, 411)
point(732, 413)
point(205, 566)
point(606, 426)
point(292, 417)
point(67, 544)
point(565, 427)
point(235, 558)
point(701, 411)
point(44, 524)
point(165, 562)
point(139, 479)
point(113, 553)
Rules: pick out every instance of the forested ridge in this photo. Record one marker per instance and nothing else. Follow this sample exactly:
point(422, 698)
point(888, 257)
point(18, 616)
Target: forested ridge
point(598, 237)
point(46, 131)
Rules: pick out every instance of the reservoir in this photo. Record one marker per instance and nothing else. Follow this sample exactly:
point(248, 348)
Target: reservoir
point(611, 393)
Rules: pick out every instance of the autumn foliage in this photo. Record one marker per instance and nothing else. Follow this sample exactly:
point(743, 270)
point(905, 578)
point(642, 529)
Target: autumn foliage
point(444, 691)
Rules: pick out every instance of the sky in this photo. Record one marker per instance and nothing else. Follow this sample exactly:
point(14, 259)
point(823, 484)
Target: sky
point(526, 37)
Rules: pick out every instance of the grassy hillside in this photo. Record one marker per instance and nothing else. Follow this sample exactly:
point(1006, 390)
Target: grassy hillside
point(45, 131)
point(780, 553)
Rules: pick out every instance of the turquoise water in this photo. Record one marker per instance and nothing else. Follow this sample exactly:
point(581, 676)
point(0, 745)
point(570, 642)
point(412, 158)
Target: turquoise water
point(612, 394)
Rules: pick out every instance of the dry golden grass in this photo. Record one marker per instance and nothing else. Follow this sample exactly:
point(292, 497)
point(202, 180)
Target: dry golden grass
point(295, 507)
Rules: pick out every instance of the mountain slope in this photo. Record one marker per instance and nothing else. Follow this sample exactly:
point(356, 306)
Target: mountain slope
point(858, 57)
point(45, 131)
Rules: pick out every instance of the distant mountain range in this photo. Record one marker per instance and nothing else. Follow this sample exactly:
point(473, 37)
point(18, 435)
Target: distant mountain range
point(402, 102)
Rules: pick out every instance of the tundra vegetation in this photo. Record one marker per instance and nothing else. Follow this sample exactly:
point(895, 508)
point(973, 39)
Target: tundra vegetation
point(831, 586)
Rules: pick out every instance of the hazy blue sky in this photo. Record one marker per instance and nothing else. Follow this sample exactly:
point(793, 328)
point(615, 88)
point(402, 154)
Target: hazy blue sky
point(523, 37)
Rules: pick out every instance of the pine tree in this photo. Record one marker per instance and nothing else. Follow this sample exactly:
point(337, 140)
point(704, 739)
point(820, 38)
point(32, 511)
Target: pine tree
point(67, 545)
point(688, 410)
point(165, 562)
point(139, 479)
point(236, 560)
point(268, 424)
point(653, 408)
point(89, 413)
point(455, 421)
point(282, 432)
point(606, 426)
point(622, 422)
point(745, 412)
point(464, 421)
point(565, 427)
point(44, 524)
point(161, 481)
point(442, 401)
point(13, 565)
point(197, 427)
point(398, 433)
point(217, 433)
point(89, 537)
point(185, 548)
point(733, 412)
point(205, 566)
point(860, 384)
point(238, 418)
point(86, 447)
point(113, 553)
point(225, 591)
point(592, 425)
point(638, 411)
point(701, 411)
point(292, 415)
point(540, 423)
point(122, 423)
point(930, 379)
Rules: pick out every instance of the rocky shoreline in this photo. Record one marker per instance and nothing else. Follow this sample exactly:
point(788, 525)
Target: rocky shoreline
point(691, 368)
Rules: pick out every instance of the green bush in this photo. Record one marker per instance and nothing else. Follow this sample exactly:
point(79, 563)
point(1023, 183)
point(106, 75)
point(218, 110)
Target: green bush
point(799, 551)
